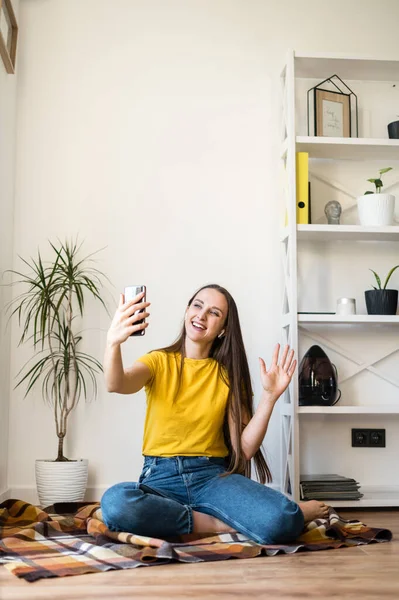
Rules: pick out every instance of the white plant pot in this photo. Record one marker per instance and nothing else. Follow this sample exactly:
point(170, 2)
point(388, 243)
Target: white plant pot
point(376, 210)
point(61, 481)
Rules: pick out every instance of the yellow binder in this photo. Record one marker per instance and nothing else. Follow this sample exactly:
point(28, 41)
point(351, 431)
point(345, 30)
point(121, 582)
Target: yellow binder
point(302, 188)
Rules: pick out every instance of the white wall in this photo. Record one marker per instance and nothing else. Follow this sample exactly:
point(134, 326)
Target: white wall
point(8, 87)
point(151, 128)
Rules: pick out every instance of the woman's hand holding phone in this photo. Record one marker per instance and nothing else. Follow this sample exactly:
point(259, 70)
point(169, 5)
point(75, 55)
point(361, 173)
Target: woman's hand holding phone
point(128, 319)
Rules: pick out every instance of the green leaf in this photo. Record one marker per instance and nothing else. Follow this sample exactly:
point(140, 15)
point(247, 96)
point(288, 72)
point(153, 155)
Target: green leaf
point(382, 171)
point(377, 278)
point(389, 276)
point(366, 193)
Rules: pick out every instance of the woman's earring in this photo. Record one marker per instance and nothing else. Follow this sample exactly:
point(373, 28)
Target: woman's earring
point(221, 334)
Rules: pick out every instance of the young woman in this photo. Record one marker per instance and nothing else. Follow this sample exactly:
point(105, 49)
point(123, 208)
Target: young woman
point(200, 431)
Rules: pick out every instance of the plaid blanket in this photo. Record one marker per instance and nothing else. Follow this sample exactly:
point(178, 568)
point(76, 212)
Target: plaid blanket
point(71, 539)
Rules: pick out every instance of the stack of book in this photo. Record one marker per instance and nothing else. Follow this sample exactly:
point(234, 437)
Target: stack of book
point(329, 487)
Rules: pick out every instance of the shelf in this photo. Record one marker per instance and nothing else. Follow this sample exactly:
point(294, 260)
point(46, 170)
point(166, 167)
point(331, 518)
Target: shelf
point(350, 233)
point(349, 319)
point(373, 496)
point(348, 148)
point(316, 66)
point(388, 409)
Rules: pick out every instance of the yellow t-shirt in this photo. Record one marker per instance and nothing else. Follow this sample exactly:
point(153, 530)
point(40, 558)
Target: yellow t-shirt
point(190, 424)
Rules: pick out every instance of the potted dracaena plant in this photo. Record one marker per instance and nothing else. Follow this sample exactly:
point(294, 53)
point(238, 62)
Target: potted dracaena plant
point(49, 311)
point(379, 300)
point(375, 208)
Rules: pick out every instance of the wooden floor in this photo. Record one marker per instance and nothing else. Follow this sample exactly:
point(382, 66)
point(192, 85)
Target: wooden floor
point(357, 573)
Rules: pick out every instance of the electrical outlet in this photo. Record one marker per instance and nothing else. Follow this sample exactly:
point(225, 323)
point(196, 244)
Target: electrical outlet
point(377, 438)
point(359, 437)
point(368, 438)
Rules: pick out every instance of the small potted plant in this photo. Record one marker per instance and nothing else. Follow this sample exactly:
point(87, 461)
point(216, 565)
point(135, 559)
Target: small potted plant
point(379, 300)
point(49, 311)
point(376, 209)
point(393, 129)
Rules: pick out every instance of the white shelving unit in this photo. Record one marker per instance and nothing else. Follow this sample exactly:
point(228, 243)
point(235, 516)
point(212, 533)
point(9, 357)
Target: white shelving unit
point(293, 417)
point(348, 148)
point(387, 409)
point(351, 233)
point(349, 319)
point(372, 496)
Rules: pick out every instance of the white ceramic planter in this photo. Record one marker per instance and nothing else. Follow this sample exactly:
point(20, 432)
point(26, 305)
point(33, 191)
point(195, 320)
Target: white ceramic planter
point(376, 210)
point(61, 481)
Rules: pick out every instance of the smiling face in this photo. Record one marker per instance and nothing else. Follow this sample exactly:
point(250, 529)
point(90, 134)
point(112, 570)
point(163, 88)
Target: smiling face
point(206, 316)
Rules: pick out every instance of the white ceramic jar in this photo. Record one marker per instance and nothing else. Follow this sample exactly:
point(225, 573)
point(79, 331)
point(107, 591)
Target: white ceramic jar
point(346, 306)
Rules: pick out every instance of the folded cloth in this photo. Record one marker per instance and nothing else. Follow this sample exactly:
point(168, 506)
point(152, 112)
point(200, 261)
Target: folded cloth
point(72, 539)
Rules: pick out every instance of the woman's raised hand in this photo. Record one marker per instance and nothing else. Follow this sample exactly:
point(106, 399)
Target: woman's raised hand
point(125, 319)
point(276, 380)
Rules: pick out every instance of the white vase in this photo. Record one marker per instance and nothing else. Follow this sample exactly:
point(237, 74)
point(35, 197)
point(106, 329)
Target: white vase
point(61, 481)
point(376, 210)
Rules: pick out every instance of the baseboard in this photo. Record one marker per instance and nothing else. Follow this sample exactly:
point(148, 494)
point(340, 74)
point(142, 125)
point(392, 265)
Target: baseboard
point(25, 493)
point(94, 494)
point(5, 495)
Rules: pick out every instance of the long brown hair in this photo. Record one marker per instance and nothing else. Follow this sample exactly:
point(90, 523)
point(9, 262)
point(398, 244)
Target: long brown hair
point(229, 352)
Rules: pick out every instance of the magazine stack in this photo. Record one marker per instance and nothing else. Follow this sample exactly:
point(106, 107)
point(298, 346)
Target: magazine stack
point(329, 487)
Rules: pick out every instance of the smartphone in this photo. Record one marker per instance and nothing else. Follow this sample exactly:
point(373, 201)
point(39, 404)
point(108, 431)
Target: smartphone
point(130, 292)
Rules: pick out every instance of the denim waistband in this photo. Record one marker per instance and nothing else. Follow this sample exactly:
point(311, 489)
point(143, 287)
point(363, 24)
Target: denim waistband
point(184, 460)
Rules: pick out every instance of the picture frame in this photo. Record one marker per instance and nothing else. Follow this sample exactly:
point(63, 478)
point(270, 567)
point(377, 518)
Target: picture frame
point(332, 109)
point(8, 35)
point(332, 113)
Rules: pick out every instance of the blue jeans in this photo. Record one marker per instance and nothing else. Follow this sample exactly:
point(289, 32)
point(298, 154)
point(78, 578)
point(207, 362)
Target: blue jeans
point(161, 504)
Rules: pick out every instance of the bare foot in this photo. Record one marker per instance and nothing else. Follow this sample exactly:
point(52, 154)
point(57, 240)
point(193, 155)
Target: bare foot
point(313, 509)
point(203, 523)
